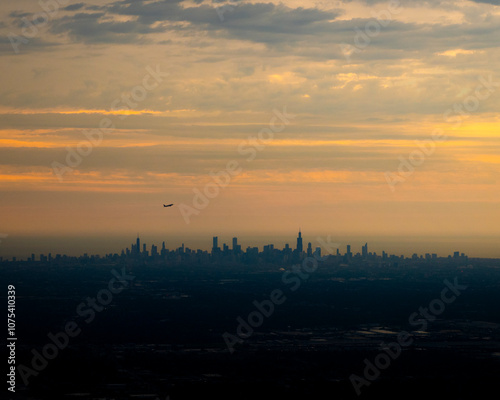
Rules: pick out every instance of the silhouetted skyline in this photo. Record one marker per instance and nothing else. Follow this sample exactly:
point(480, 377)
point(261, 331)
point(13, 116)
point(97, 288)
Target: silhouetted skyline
point(139, 250)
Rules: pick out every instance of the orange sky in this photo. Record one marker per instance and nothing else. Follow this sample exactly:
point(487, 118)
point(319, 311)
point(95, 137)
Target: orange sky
point(106, 114)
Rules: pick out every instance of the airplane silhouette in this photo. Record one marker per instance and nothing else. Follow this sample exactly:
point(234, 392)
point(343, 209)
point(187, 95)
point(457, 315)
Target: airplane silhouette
point(167, 205)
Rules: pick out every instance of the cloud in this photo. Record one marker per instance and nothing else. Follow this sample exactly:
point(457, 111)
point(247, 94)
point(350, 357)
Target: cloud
point(74, 7)
point(96, 28)
point(494, 2)
point(311, 32)
point(259, 22)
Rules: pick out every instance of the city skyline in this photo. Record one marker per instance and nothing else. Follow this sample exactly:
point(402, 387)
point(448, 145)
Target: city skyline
point(152, 251)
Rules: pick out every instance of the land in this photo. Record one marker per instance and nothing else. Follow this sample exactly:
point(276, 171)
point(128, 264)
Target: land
point(162, 336)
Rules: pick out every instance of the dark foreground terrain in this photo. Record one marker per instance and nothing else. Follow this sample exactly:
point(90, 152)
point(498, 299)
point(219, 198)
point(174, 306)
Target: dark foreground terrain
point(164, 334)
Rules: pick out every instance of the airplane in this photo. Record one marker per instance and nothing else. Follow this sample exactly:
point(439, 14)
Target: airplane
point(167, 205)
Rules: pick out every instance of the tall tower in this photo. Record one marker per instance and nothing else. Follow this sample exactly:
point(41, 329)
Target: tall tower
point(138, 245)
point(236, 246)
point(299, 242)
point(215, 244)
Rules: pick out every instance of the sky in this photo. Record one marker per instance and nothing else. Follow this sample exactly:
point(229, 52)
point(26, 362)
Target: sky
point(361, 120)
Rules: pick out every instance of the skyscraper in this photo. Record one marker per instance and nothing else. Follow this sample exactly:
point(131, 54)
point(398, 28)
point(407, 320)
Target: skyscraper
point(138, 245)
point(317, 253)
point(364, 251)
point(299, 243)
point(215, 244)
point(236, 246)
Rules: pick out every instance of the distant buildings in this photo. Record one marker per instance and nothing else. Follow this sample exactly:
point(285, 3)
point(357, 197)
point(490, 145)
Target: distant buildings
point(251, 256)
